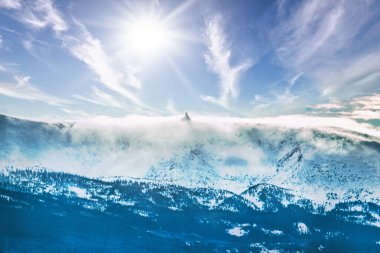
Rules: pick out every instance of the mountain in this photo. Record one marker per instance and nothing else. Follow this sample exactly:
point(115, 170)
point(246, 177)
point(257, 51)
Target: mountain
point(194, 169)
point(204, 186)
point(186, 117)
point(59, 212)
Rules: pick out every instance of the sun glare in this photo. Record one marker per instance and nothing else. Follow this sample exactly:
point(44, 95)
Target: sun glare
point(148, 36)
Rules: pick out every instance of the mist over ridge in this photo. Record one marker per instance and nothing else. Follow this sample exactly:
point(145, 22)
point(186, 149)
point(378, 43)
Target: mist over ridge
point(231, 154)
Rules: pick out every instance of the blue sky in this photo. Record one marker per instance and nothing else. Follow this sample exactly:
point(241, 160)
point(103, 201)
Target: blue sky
point(74, 59)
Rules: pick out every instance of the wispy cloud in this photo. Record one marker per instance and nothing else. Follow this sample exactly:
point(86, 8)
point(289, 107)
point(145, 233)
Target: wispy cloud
point(275, 103)
point(40, 14)
point(89, 50)
point(100, 97)
point(282, 100)
point(3, 68)
point(76, 114)
point(218, 59)
point(81, 44)
point(10, 4)
point(365, 108)
point(308, 32)
point(330, 42)
point(359, 74)
point(170, 106)
point(22, 88)
point(329, 106)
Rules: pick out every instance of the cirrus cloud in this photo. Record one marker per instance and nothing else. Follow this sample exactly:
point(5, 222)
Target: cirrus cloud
point(218, 59)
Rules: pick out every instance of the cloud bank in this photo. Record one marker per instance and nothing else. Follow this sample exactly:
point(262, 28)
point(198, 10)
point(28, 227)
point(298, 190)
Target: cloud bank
point(239, 152)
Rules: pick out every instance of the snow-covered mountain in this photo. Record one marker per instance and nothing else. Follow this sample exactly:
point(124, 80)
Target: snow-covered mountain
point(52, 211)
point(235, 180)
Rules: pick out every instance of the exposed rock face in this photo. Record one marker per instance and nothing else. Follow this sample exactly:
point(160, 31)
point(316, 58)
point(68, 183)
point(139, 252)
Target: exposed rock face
point(186, 117)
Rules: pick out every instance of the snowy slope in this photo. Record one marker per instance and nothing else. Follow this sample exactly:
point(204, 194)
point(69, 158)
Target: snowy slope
point(326, 165)
point(49, 211)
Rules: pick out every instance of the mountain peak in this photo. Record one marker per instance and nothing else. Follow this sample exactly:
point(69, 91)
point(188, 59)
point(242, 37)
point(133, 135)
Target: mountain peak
point(186, 117)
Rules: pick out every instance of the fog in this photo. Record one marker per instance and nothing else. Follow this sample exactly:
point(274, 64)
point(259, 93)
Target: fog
point(276, 150)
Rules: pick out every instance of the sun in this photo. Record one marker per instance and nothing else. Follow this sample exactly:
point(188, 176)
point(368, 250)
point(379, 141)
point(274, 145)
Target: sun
point(147, 36)
point(144, 33)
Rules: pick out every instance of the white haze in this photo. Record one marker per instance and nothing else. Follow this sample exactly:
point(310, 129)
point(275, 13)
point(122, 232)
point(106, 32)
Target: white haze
point(131, 146)
point(155, 139)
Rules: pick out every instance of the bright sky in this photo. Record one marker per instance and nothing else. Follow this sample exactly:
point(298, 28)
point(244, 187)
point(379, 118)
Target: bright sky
point(245, 58)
